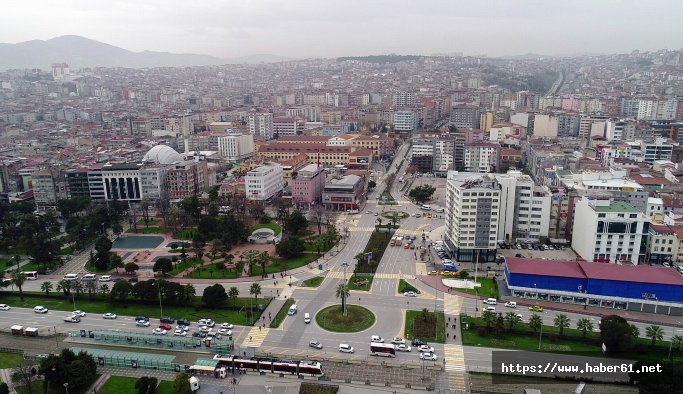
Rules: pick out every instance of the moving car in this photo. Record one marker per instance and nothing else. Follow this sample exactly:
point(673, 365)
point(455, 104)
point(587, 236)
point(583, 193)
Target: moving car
point(159, 331)
point(78, 313)
point(418, 342)
point(40, 309)
point(428, 356)
point(307, 318)
point(317, 344)
point(182, 327)
point(225, 331)
point(402, 347)
point(142, 323)
point(109, 315)
point(167, 320)
point(344, 348)
point(165, 326)
point(376, 339)
point(490, 308)
point(536, 308)
point(398, 340)
point(511, 304)
point(180, 333)
point(227, 326)
point(490, 301)
point(410, 294)
point(432, 272)
point(206, 322)
point(4, 307)
point(105, 278)
point(183, 322)
point(72, 319)
point(145, 318)
point(425, 349)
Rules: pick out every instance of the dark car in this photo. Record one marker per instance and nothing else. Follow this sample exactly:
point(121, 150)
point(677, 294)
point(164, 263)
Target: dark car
point(418, 342)
point(196, 334)
point(183, 322)
point(143, 318)
point(167, 320)
point(519, 255)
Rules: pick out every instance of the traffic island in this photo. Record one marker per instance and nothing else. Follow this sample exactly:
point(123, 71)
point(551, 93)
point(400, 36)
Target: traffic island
point(357, 318)
point(398, 215)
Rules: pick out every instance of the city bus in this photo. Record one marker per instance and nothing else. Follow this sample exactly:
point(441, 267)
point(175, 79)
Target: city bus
point(382, 349)
point(30, 275)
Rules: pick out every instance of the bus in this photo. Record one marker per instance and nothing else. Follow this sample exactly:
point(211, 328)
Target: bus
point(449, 267)
point(30, 275)
point(382, 349)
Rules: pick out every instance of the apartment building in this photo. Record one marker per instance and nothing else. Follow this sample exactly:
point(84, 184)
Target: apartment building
point(433, 153)
point(288, 126)
point(406, 121)
point(481, 157)
point(620, 130)
point(264, 182)
point(236, 147)
point(524, 208)
point(261, 125)
point(187, 178)
point(609, 231)
point(464, 117)
point(472, 206)
point(307, 186)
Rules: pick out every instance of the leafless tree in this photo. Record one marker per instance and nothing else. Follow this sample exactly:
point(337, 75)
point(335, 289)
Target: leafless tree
point(24, 374)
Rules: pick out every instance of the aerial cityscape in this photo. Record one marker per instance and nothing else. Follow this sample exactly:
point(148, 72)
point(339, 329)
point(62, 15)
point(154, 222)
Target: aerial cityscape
point(450, 218)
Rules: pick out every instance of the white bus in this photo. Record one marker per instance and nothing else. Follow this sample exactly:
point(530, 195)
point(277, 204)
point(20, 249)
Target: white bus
point(382, 349)
point(30, 275)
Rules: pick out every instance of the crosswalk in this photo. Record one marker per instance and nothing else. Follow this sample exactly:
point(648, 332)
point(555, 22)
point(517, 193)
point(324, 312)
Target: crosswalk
point(361, 229)
point(452, 304)
point(340, 275)
point(255, 337)
point(455, 369)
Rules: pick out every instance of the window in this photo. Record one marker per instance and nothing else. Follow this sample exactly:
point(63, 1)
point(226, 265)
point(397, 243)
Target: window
point(601, 215)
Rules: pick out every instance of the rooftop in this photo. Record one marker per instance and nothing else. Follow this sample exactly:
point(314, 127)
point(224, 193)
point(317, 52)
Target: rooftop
point(616, 206)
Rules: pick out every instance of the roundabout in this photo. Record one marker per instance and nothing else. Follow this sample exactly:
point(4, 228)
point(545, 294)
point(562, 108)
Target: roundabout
point(398, 215)
point(357, 319)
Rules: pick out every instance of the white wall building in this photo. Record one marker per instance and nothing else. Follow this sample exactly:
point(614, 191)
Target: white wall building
point(609, 231)
point(264, 182)
point(524, 208)
point(481, 156)
point(236, 147)
point(261, 124)
point(288, 126)
point(545, 125)
point(620, 130)
point(405, 120)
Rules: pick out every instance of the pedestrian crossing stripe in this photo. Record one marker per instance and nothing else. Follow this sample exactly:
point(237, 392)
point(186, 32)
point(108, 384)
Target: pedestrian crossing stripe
point(255, 337)
point(421, 269)
point(361, 229)
point(454, 367)
point(393, 276)
point(452, 304)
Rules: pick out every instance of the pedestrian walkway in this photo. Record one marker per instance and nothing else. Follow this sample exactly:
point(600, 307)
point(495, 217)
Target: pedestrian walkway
point(452, 305)
point(255, 337)
point(454, 356)
point(381, 275)
point(361, 229)
point(6, 376)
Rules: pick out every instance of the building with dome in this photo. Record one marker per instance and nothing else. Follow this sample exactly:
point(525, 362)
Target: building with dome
point(162, 154)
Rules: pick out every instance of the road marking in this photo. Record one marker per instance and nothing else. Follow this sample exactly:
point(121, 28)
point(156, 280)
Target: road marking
point(394, 276)
point(452, 305)
point(420, 268)
point(255, 337)
point(361, 229)
point(401, 332)
point(455, 366)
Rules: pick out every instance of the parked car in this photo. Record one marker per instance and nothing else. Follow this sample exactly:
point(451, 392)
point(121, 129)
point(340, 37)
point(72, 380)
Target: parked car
point(402, 347)
point(397, 340)
point(109, 315)
point(430, 356)
point(40, 309)
point(344, 348)
point(410, 294)
point(105, 278)
point(5, 307)
point(425, 349)
point(142, 323)
point(159, 331)
point(536, 308)
point(316, 344)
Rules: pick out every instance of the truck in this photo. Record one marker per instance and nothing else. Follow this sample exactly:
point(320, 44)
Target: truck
point(194, 384)
point(17, 330)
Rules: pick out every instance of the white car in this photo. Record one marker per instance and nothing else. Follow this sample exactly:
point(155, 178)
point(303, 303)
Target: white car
point(159, 331)
point(180, 333)
point(398, 340)
point(428, 356)
point(40, 309)
point(344, 348)
point(402, 347)
point(105, 278)
point(227, 326)
point(511, 304)
point(78, 313)
point(315, 344)
point(109, 316)
point(206, 322)
point(204, 328)
point(225, 331)
point(410, 294)
point(72, 319)
point(425, 349)
point(142, 323)
point(376, 339)
point(182, 327)
point(4, 307)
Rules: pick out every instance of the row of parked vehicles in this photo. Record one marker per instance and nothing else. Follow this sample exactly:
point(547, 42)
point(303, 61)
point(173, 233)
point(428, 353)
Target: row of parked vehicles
point(381, 349)
point(531, 246)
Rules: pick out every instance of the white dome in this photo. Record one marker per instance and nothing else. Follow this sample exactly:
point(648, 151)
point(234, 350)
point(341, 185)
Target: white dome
point(162, 154)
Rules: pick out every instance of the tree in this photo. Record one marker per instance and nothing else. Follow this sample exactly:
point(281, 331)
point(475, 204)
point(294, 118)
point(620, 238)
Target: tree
point(192, 207)
point(198, 245)
point(4, 389)
point(115, 261)
point(343, 293)
point(511, 319)
point(422, 193)
point(255, 289)
point(46, 287)
point(130, 268)
point(18, 279)
point(290, 247)
point(296, 222)
point(372, 185)
point(585, 326)
point(561, 322)
point(233, 293)
point(77, 286)
point(79, 370)
point(214, 296)
point(91, 287)
point(635, 331)
point(535, 322)
point(655, 333)
point(120, 291)
point(181, 383)
point(500, 323)
point(164, 265)
point(615, 333)
point(64, 286)
point(424, 314)
point(489, 318)
point(146, 385)
point(189, 292)
point(104, 289)
point(23, 374)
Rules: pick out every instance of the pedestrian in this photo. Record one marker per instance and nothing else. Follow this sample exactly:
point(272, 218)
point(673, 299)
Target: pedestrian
point(446, 335)
point(259, 327)
point(449, 318)
point(249, 338)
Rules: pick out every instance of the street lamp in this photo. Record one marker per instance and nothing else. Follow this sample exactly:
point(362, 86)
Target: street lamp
point(66, 387)
point(540, 337)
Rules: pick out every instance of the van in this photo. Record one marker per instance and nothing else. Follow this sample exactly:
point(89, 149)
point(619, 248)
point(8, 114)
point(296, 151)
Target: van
point(71, 277)
point(440, 210)
point(89, 277)
point(307, 318)
point(292, 310)
point(490, 308)
point(425, 207)
point(490, 301)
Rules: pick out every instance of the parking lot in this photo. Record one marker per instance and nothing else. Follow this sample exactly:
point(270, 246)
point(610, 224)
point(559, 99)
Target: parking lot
point(567, 254)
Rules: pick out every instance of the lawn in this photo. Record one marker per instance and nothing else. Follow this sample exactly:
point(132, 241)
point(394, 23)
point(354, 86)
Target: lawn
point(186, 234)
point(431, 331)
point(66, 251)
point(195, 311)
point(180, 267)
point(313, 282)
point(377, 244)
point(210, 272)
point(38, 387)
point(363, 287)
point(357, 318)
point(282, 313)
point(280, 265)
point(488, 288)
point(147, 230)
point(277, 229)
point(10, 360)
point(150, 222)
point(404, 286)
point(119, 385)
point(165, 387)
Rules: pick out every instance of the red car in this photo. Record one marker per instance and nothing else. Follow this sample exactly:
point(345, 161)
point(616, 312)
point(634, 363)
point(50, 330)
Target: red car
point(165, 326)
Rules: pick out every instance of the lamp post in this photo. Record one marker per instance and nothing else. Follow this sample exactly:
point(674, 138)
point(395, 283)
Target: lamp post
point(540, 337)
point(161, 309)
point(66, 387)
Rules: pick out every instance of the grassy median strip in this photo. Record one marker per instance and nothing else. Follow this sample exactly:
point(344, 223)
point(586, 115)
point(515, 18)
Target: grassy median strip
point(425, 325)
point(282, 313)
point(313, 282)
point(360, 282)
point(10, 360)
point(488, 288)
point(404, 286)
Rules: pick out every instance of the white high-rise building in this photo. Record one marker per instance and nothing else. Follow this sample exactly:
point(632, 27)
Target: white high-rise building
point(620, 130)
point(264, 182)
point(524, 208)
point(236, 147)
point(261, 125)
point(609, 231)
point(405, 120)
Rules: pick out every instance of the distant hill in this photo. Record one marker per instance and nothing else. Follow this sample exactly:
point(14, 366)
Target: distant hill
point(380, 58)
point(81, 52)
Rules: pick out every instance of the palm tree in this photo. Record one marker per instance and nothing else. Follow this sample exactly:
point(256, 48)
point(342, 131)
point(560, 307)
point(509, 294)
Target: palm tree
point(535, 322)
point(655, 333)
point(77, 286)
point(489, 318)
point(677, 341)
point(425, 314)
point(64, 286)
point(511, 319)
point(189, 292)
point(263, 259)
point(585, 326)
point(233, 293)
point(343, 293)
point(255, 289)
point(17, 260)
point(18, 279)
point(104, 289)
point(561, 322)
point(46, 287)
point(635, 331)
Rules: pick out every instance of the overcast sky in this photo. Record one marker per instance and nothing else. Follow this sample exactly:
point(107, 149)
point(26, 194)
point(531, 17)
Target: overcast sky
point(328, 28)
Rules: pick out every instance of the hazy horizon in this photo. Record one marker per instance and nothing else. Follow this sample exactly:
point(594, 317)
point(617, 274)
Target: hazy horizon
point(307, 28)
